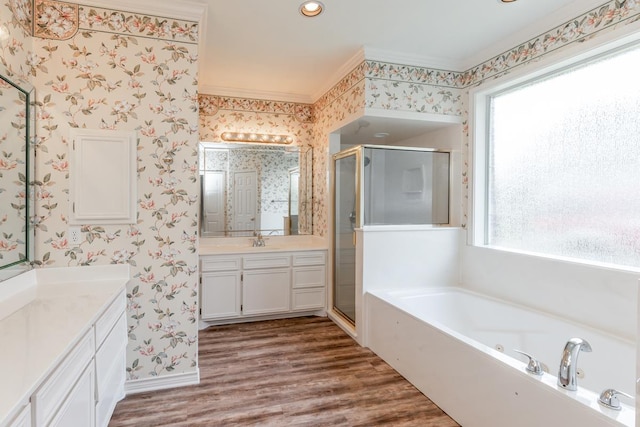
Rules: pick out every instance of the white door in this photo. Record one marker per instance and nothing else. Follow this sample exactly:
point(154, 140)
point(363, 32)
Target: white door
point(213, 205)
point(245, 200)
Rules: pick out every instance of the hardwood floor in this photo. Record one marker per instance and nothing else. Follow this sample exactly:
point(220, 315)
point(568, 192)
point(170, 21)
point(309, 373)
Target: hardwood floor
point(292, 372)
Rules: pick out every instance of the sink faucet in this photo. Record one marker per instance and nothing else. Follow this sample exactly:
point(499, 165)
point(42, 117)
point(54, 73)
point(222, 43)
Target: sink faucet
point(258, 242)
point(568, 372)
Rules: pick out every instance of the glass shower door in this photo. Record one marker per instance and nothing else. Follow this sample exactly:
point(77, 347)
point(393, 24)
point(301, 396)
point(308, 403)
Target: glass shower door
point(346, 220)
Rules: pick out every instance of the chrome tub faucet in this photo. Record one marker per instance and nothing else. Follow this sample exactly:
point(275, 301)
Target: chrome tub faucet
point(568, 372)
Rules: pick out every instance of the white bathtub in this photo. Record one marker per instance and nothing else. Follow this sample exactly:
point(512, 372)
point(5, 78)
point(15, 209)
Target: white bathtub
point(457, 348)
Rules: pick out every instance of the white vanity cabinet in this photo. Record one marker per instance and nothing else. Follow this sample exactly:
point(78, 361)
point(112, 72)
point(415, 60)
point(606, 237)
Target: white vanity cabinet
point(266, 284)
point(66, 364)
point(85, 387)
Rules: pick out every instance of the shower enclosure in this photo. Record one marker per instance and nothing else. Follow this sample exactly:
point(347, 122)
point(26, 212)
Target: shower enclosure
point(380, 185)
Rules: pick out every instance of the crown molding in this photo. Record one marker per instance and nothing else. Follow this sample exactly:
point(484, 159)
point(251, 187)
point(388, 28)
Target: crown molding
point(254, 94)
point(340, 73)
point(372, 54)
point(185, 10)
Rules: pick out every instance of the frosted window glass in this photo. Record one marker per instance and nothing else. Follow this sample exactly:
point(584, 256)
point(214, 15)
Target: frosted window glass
point(564, 164)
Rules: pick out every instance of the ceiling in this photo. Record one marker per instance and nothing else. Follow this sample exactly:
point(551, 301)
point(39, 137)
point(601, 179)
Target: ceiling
point(267, 49)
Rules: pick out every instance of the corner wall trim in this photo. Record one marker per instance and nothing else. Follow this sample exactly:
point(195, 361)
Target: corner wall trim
point(162, 383)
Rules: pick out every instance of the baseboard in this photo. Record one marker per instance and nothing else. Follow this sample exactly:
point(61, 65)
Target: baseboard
point(203, 324)
point(162, 383)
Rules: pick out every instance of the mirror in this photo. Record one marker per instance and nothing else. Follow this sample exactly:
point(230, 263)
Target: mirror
point(16, 198)
point(249, 188)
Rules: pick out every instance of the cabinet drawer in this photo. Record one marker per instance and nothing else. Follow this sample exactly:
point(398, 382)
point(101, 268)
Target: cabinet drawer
point(308, 277)
point(309, 258)
point(109, 318)
point(307, 299)
point(46, 400)
point(220, 263)
point(266, 261)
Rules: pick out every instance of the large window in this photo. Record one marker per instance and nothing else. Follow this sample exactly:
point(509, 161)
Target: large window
point(563, 159)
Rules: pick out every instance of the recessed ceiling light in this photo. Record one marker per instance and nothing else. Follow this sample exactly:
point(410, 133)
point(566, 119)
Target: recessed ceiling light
point(507, 1)
point(380, 135)
point(311, 8)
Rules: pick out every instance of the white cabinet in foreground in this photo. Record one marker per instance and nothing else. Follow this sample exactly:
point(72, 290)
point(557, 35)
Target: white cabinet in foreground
point(254, 286)
point(84, 388)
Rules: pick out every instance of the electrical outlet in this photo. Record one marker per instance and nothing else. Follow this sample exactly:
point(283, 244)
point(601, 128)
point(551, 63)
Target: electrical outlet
point(75, 235)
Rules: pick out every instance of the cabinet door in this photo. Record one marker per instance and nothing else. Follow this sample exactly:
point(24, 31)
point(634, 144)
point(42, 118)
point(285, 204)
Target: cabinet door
point(266, 291)
point(78, 408)
point(220, 296)
point(23, 419)
point(110, 371)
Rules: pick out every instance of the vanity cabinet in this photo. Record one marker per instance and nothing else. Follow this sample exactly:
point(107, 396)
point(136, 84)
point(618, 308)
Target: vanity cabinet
point(85, 387)
point(236, 287)
point(66, 363)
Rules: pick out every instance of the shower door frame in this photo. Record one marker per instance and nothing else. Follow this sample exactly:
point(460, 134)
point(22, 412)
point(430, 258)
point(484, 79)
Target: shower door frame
point(357, 152)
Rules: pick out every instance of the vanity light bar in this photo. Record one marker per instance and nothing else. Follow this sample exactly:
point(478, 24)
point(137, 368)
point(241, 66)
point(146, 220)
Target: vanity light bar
point(264, 138)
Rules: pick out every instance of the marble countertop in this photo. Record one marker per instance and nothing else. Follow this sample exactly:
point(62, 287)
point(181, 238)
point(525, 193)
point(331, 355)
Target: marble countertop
point(37, 336)
point(243, 245)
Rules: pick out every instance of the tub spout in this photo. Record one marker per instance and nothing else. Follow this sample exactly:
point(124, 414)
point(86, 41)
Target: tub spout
point(568, 372)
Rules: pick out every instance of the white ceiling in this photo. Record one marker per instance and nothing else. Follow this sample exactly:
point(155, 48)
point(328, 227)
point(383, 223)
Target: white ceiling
point(267, 49)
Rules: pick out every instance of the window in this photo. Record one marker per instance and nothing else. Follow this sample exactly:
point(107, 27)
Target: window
point(563, 162)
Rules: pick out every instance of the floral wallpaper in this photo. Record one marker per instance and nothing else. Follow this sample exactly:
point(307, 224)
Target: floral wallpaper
point(342, 104)
point(227, 114)
point(119, 70)
point(415, 89)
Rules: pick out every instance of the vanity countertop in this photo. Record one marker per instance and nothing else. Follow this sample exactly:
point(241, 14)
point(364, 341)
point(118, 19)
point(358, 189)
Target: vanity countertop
point(243, 245)
point(63, 305)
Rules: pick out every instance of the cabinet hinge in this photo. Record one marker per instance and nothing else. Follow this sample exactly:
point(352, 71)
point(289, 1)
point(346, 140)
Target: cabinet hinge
point(241, 277)
point(200, 311)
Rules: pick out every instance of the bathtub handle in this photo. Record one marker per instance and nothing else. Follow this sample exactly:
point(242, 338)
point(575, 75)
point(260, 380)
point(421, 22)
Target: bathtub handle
point(609, 398)
point(533, 367)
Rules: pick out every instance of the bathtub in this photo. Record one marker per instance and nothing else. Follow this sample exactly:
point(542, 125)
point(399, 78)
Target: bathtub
point(457, 348)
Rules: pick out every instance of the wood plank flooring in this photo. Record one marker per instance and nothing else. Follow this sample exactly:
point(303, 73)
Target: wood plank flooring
point(291, 372)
